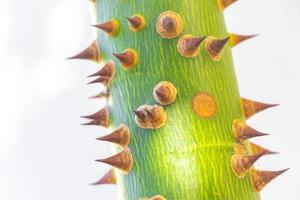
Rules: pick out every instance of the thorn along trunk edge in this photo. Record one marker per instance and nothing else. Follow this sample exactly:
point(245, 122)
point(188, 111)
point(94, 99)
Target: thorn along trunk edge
point(176, 121)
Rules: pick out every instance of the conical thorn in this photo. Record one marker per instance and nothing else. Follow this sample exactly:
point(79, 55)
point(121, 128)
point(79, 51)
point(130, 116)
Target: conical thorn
point(108, 178)
point(123, 160)
point(92, 53)
point(215, 47)
point(236, 39)
point(120, 136)
point(107, 70)
point(225, 3)
point(251, 107)
point(243, 132)
point(260, 179)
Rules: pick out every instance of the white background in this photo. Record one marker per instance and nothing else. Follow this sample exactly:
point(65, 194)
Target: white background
point(46, 155)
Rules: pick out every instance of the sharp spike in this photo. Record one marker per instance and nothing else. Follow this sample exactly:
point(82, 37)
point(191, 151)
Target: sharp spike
point(128, 58)
point(103, 94)
point(92, 53)
point(215, 47)
point(241, 164)
point(161, 93)
point(243, 132)
point(97, 122)
point(256, 149)
point(189, 46)
point(102, 79)
point(101, 114)
point(136, 22)
point(252, 107)
point(110, 27)
point(107, 70)
point(151, 113)
point(260, 179)
point(236, 39)
point(108, 178)
point(140, 114)
point(99, 118)
point(248, 161)
point(225, 3)
point(151, 117)
point(169, 24)
point(120, 136)
point(123, 160)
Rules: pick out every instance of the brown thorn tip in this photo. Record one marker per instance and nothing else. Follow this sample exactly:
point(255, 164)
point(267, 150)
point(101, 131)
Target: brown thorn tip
point(102, 79)
point(237, 39)
point(251, 107)
point(169, 24)
point(215, 47)
point(92, 52)
point(128, 58)
point(260, 179)
point(100, 118)
point(225, 3)
point(248, 161)
point(189, 45)
point(107, 70)
point(133, 21)
point(122, 160)
point(110, 27)
point(150, 117)
point(103, 113)
point(120, 136)
point(256, 149)
point(108, 178)
point(140, 113)
point(103, 94)
point(136, 23)
point(243, 132)
point(240, 164)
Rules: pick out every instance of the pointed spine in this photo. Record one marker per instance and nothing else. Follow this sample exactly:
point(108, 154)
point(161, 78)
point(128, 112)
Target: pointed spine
point(189, 45)
point(169, 24)
point(243, 132)
point(110, 27)
point(260, 179)
point(102, 79)
point(92, 52)
point(136, 22)
point(165, 93)
point(103, 94)
point(256, 149)
point(236, 39)
point(107, 70)
point(215, 47)
point(241, 164)
point(100, 118)
point(108, 178)
point(123, 160)
point(150, 117)
point(225, 3)
point(120, 136)
point(251, 107)
point(128, 59)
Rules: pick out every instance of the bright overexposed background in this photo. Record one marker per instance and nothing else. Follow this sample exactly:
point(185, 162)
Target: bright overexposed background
point(46, 155)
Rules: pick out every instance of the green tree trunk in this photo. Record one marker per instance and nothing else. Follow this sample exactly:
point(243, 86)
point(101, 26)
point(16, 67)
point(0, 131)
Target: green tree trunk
point(192, 153)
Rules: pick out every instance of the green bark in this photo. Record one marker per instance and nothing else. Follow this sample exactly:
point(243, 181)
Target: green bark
point(189, 158)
